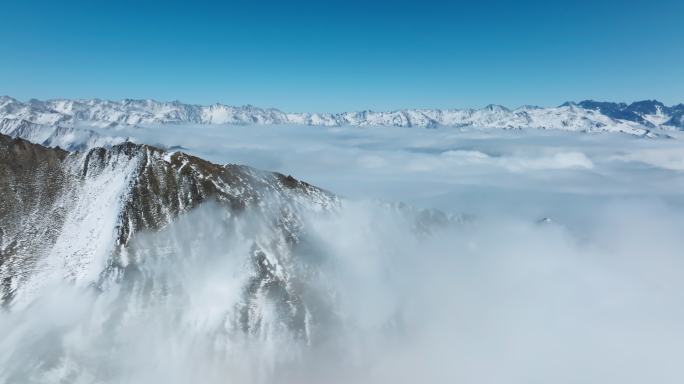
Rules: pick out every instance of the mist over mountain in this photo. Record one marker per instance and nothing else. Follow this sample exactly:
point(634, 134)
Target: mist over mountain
point(132, 227)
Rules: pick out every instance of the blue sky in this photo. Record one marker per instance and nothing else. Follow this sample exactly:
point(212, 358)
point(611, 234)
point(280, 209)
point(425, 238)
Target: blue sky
point(345, 55)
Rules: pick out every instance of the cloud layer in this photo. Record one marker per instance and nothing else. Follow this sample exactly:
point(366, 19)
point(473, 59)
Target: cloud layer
point(592, 295)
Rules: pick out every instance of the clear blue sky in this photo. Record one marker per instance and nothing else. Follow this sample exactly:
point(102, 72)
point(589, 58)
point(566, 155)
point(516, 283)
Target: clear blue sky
point(331, 55)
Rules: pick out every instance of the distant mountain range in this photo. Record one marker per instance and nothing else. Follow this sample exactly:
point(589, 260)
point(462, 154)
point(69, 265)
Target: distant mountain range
point(49, 122)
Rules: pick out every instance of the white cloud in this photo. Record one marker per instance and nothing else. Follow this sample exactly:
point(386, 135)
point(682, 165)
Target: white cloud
point(371, 161)
point(666, 158)
point(522, 163)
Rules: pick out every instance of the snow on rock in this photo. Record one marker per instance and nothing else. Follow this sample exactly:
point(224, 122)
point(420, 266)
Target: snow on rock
point(92, 204)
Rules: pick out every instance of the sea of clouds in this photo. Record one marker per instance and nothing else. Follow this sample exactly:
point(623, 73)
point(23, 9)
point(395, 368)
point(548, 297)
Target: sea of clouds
point(522, 173)
point(570, 268)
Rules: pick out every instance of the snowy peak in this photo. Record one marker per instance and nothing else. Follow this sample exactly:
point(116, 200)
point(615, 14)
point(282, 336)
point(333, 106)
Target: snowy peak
point(496, 108)
point(650, 113)
point(647, 107)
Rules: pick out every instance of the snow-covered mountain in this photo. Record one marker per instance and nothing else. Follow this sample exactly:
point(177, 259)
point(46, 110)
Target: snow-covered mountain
point(639, 118)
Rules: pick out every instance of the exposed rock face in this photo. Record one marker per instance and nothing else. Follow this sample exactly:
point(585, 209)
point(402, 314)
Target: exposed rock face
point(75, 216)
point(32, 180)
